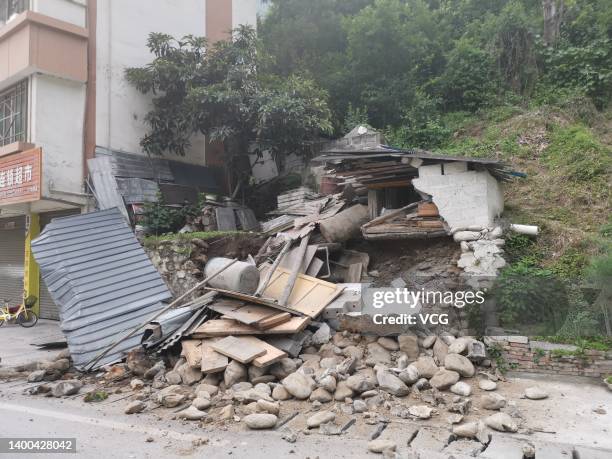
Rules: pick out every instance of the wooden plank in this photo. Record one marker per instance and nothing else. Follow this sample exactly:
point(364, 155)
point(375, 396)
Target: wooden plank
point(309, 295)
point(192, 352)
point(212, 361)
point(290, 259)
point(295, 270)
point(273, 321)
point(271, 356)
point(255, 299)
point(252, 314)
point(390, 215)
point(239, 349)
point(231, 327)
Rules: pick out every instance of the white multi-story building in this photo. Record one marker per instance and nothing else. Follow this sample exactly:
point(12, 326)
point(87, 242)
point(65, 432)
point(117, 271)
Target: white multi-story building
point(63, 96)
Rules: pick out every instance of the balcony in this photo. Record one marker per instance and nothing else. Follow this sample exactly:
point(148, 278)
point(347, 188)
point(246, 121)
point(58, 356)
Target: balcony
point(33, 42)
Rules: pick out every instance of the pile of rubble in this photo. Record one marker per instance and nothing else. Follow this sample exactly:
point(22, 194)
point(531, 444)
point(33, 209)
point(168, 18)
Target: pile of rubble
point(337, 380)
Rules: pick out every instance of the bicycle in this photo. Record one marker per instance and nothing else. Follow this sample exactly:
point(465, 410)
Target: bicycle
point(22, 314)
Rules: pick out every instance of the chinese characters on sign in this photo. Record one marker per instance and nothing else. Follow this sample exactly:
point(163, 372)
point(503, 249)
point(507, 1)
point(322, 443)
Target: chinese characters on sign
point(20, 177)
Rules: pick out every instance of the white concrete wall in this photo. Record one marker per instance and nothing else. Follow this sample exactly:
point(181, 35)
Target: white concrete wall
point(470, 198)
point(122, 32)
point(72, 11)
point(56, 125)
point(244, 12)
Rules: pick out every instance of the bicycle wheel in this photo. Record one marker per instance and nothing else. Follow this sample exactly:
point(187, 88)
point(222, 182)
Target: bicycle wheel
point(27, 318)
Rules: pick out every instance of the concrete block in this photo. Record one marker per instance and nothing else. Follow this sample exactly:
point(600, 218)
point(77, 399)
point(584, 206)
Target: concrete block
point(456, 167)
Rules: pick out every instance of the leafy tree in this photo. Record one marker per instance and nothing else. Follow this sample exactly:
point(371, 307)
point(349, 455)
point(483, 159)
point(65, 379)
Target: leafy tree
point(223, 92)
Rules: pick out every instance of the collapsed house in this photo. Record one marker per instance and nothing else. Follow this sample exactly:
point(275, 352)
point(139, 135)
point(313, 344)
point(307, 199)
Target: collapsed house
point(302, 273)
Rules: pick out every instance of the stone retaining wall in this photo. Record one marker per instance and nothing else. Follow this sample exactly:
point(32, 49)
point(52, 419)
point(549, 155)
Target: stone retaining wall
point(522, 354)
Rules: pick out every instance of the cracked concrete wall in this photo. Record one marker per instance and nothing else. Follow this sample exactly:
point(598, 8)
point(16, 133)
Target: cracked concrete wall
point(464, 198)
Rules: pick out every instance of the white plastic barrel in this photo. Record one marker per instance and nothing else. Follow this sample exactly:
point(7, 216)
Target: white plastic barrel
point(240, 277)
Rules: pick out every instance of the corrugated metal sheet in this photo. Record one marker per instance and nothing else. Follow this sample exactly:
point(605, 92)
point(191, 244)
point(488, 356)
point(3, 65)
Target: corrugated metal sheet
point(137, 191)
point(102, 280)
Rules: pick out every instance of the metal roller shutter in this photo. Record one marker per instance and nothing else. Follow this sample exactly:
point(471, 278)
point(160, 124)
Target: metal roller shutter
point(48, 308)
point(12, 243)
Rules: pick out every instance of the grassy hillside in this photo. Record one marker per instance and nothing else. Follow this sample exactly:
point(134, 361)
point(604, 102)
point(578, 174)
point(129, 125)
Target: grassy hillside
point(566, 151)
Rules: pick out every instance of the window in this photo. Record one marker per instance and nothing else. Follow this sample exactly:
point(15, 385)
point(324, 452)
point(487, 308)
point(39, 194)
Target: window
point(9, 8)
point(13, 114)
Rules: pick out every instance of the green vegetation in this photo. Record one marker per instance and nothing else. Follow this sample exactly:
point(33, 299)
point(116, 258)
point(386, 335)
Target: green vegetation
point(609, 380)
point(495, 352)
point(538, 354)
point(382, 58)
point(95, 396)
point(153, 241)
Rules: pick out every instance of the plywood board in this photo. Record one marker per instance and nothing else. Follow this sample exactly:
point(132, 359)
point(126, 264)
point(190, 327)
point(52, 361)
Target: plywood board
point(192, 352)
point(273, 321)
point(231, 327)
point(237, 348)
point(255, 299)
point(212, 361)
point(271, 356)
point(251, 314)
point(309, 296)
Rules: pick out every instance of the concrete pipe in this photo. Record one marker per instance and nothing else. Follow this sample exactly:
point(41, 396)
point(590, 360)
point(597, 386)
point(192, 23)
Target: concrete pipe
point(344, 225)
point(240, 277)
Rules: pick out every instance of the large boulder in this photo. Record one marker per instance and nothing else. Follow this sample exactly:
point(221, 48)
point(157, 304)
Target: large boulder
point(535, 393)
point(322, 417)
point(461, 388)
point(444, 379)
point(299, 385)
point(492, 401)
point(65, 388)
point(440, 349)
point(191, 414)
point(189, 375)
point(343, 391)
point(460, 364)
point(283, 368)
point(321, 395)
point(381, 445)
point(410, 375)
point(234, 373)
point(391, 383)
point(409, 345)
point(501, 422)
point(426, 367)
point(377, 355)
point(459, 346)
point(389, 344)
point(258, 421)
point(361, 381)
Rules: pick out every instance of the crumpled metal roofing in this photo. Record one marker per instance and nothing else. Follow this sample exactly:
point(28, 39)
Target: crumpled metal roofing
point(101, 279)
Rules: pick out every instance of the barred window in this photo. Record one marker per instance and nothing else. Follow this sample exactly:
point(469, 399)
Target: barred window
point(13, 114)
